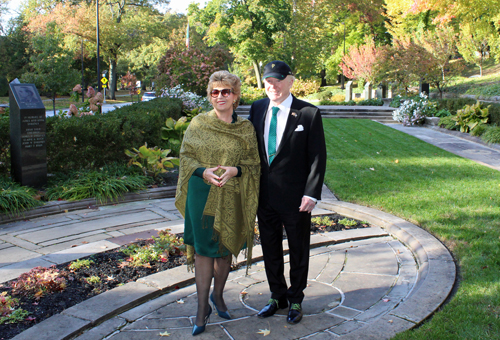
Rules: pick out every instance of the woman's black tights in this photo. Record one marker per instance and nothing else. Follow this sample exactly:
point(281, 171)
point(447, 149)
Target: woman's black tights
point(205, 269)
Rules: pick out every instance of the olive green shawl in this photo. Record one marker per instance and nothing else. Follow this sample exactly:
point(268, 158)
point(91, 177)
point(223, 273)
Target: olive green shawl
point(234, 205)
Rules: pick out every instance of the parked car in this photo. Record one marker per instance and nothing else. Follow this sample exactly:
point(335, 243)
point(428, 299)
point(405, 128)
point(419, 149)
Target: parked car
point(148, 96)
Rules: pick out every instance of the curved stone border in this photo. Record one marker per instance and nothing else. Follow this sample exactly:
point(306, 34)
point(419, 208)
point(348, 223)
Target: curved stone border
point(436, 278)
point(436, 270)
point(57, 207)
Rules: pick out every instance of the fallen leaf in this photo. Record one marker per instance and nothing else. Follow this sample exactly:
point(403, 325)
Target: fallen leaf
point(386, 300)
point(243, 293)
point(30, 318)
point(180, 301)
point(123, 264)
point(147, 265)
point(74, 245)
point(390, 321)
point(104, 247)
point(165, 334)
point(372, 169)
point(85, 242)
point(396, 161)
point(110, 278)
point(66, 210)
point(264, 331)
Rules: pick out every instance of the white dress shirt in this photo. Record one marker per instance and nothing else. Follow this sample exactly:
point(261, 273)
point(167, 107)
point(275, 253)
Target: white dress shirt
point(282, 116)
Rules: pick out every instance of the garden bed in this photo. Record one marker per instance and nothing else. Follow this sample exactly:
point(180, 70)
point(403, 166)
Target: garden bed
point(113, 268)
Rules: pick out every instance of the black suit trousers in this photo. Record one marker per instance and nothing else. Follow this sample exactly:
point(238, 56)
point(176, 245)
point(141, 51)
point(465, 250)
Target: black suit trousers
point(297, 226)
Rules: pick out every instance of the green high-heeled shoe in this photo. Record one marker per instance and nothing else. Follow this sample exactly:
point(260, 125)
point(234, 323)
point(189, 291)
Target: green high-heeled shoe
point(224, 315)
point(200, 329)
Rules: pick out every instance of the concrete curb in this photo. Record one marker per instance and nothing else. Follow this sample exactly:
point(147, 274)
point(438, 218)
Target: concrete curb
point(57, 207)
point(436, 271)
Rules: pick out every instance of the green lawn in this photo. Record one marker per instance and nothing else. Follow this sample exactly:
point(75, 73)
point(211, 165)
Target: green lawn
point(453, 198)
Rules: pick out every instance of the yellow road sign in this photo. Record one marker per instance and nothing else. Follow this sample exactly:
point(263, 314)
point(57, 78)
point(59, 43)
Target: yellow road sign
point(104, 80)
point(138, 91)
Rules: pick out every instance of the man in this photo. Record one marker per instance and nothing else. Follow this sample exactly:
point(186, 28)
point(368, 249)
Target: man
point(293, 160)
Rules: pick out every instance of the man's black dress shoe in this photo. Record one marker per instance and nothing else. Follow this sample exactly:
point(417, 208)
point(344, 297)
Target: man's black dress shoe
point(271, 308)
point(294, 314)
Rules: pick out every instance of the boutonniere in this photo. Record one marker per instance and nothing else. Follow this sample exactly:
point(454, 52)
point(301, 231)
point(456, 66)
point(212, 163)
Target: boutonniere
point(294, 114)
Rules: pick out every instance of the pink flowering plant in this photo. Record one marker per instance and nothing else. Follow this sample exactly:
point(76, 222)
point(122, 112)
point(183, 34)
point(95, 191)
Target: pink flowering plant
point(90, 106)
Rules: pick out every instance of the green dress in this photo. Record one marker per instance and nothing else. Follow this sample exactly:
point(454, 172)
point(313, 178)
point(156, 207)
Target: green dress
point(218, 220)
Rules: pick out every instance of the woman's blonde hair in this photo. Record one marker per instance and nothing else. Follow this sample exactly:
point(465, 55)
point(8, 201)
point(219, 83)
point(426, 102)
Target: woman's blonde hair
point(225, 79)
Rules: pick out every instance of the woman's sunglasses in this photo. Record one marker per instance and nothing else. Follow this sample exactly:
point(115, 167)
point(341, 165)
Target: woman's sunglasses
point(224, 92)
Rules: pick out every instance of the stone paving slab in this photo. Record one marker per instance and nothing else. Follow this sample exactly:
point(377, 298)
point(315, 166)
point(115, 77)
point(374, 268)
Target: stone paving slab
point(12, 255)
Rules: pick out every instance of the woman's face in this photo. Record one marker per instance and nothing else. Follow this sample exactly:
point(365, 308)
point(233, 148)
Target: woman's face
point(224, 99)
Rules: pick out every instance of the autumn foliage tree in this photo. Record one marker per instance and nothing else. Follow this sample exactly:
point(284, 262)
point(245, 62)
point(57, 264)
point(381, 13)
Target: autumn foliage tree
point(190, 68)
point(363, 62)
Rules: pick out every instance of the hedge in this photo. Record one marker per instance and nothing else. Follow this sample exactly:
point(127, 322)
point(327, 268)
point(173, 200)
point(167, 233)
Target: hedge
point(455, 104)
point(89, 142)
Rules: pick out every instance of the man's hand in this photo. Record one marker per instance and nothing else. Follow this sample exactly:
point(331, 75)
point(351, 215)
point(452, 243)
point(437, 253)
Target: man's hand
point(307, 205)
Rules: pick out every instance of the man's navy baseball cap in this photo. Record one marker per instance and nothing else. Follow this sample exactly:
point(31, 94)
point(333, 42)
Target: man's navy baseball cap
point(277, 69)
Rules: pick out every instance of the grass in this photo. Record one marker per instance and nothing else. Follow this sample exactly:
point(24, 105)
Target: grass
point(455, 199)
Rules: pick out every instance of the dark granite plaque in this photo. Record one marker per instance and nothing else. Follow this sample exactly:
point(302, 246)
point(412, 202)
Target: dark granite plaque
point(27, 136)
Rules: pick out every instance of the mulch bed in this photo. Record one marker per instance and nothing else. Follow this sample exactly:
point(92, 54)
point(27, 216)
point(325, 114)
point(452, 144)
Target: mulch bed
point(108, 266)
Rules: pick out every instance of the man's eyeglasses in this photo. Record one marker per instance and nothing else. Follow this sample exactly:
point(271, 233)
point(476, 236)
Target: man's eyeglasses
point(224, 92)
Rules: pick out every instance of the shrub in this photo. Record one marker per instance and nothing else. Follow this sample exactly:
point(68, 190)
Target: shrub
point(152, 161)
point(4, 145)
point(15, 198)
point(8, 311)
point(98, 184)
point(491, 135)
point(471, 116)
point(38, 282)
point(448, 123)
point(302, 88)
point(413, 111)
point(90, 142)
point(338, 98)
point(455, 104)
point(159, 249)
point(442, 113)
point(251, 94)
point(478, 130)
point(371, 102)
point(190, 101)
point(78, 264)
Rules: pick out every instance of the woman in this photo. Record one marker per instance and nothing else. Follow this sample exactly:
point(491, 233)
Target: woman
point(217, 192)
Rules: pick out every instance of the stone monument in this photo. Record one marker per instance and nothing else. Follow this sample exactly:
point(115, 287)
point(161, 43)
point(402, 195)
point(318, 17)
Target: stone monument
point(424, 87)
point(27, 136)
point(381, 91)
point(348, 91)
point(368, 91)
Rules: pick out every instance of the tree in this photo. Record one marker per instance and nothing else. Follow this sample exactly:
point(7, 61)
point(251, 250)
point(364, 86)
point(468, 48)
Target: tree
point(14, 50)
point(362, 62)
point(190, 68)
point(51, 64)
point(124, 25)
point(250, 28)
point(474, 42)
point(406, 62)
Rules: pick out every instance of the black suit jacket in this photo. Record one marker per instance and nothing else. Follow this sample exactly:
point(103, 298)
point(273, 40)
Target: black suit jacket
point(298, 168)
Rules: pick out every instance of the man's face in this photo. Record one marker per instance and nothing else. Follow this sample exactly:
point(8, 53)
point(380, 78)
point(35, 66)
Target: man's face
point(278, 90)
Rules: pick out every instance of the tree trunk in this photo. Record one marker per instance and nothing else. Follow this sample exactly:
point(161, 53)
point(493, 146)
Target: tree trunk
point(54, 102)
point(323, 77)
point(112, 79)
point(257, 73)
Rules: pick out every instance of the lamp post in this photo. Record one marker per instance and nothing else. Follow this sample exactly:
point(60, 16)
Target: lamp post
point(342, 78)
point(83, 79)
point(98, 43)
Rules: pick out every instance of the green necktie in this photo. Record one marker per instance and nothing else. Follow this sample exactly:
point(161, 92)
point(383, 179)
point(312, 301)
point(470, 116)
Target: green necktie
point(271, 143)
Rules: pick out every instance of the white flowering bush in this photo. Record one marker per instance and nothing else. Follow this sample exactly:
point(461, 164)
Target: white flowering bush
point(414, 110)
point(190, 100)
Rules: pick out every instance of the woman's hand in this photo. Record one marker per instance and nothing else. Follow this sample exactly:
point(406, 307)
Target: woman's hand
point(210, 177)
point(229, 172)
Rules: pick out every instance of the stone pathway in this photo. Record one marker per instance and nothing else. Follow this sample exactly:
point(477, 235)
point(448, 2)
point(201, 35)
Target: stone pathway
point(368, 283)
